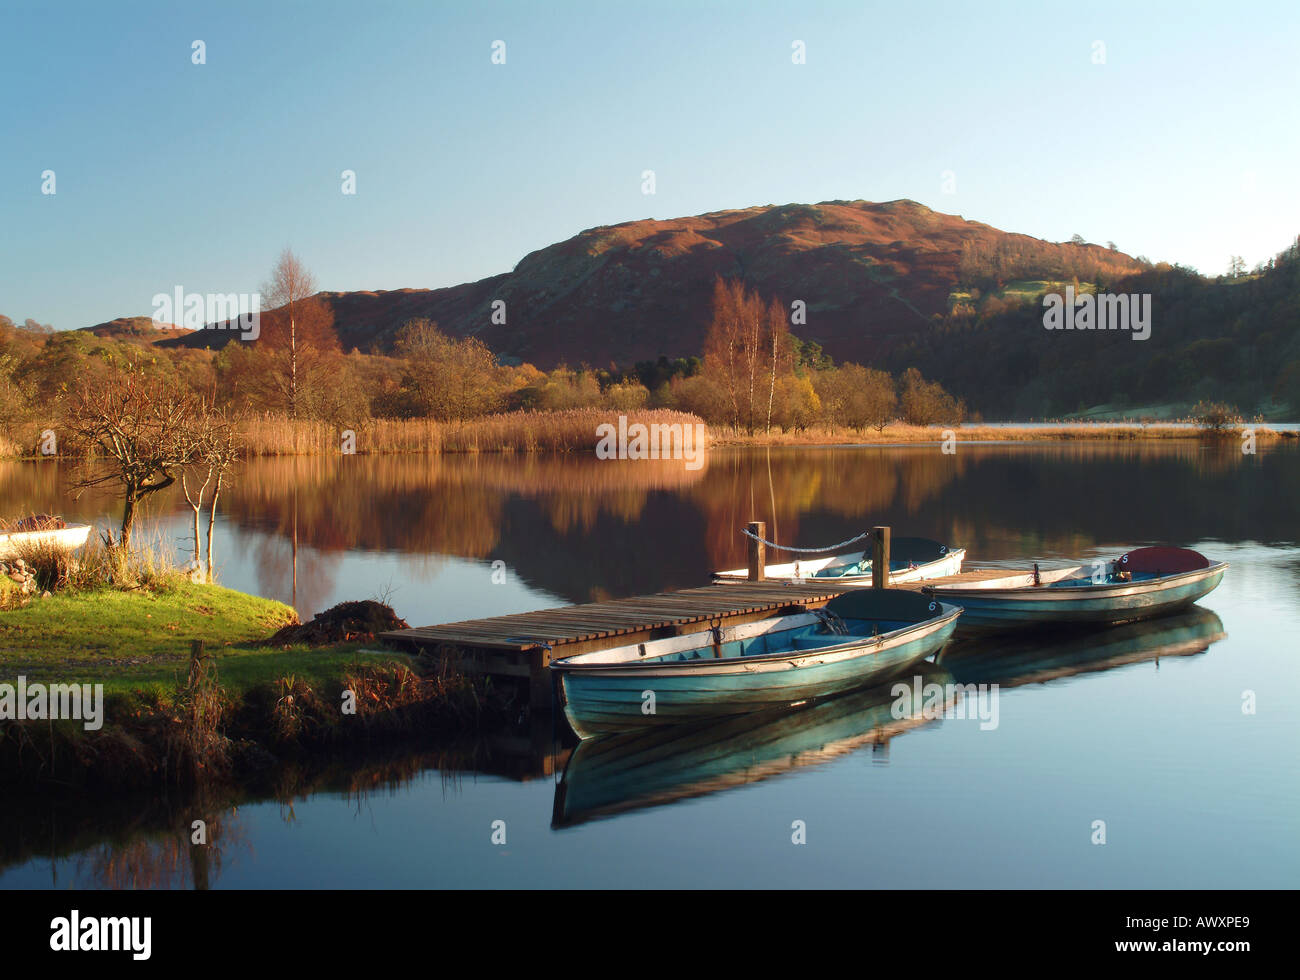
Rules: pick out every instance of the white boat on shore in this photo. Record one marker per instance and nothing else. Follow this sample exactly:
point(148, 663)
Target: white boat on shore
point(70, 537)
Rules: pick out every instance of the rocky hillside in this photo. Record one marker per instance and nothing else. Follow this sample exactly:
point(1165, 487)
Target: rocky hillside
point(140, 329)
point(870, 274)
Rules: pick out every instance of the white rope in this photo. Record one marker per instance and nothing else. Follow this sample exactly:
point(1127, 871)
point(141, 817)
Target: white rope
point(781, 547)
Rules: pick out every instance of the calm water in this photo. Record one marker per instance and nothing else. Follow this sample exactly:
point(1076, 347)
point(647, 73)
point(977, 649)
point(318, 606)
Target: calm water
point(1141, 727)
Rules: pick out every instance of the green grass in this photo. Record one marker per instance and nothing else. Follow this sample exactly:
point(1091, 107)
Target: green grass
point(1023, 291)
point(136, 640)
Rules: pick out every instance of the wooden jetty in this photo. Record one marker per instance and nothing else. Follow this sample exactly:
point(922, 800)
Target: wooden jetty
point(521, 646)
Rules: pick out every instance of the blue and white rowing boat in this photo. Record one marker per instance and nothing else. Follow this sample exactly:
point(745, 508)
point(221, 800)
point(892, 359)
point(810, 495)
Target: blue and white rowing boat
point(910, 560)
point(614, 774)
point(860, 638)
point(1139, 585)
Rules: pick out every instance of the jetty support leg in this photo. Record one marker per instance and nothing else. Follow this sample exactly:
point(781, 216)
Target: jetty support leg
point(757, 557)
point(879, 557)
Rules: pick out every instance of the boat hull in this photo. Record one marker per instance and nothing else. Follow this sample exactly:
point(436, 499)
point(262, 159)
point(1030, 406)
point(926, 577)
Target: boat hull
point(70, 538)
point(986, 611)
point(949, 564)
point(615, 774)
point(614, 700)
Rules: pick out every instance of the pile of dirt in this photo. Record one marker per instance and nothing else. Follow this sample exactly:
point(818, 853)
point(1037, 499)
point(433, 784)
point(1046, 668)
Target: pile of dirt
point(360, 620)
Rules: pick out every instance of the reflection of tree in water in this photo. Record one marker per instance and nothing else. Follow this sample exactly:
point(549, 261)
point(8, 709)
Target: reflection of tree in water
point(317, 574)
point(167, 860)
point(580, 527)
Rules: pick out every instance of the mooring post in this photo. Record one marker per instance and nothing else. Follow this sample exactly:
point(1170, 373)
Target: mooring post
point(757, 555)
point(879, 557)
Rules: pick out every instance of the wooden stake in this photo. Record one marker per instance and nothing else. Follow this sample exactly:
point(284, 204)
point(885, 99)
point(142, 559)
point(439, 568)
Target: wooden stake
point(757, 551)
point(879, 557)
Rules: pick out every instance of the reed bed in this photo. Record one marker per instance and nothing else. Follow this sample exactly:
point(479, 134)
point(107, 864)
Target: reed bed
point(903, 433)
point(566, 431)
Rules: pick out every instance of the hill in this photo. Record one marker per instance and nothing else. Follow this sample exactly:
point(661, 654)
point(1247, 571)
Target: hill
point(139, 329)
point(870, 274)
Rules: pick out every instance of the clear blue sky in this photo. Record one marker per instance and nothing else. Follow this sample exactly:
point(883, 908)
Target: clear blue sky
point(1183, 146)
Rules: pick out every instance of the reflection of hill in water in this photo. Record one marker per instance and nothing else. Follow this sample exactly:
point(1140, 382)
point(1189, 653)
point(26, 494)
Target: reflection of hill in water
point(585, 529)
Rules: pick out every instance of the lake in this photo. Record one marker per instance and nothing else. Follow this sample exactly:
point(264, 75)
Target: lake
point(1141, 727)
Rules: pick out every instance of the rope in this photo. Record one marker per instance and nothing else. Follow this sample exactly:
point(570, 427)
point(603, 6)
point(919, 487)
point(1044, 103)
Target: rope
point(781, 547)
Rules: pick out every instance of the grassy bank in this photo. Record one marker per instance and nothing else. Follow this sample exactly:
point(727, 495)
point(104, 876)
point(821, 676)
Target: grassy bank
point(169, 718)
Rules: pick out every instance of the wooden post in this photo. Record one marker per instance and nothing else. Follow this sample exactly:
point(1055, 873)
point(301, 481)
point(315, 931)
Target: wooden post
point(757, 551)
point(879, 557)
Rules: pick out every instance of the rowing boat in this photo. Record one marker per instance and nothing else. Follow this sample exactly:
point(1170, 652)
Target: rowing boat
point(68, 538)
point(910, 560)
point(614, 774)
point(1141, 584)
point(860, 638)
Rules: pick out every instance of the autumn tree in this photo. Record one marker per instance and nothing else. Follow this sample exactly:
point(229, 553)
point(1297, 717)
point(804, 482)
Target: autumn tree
point(746, 351)
point(857, 397)
point(139, 432)
point(451, 380)
point(297, 343)
point(925, 402)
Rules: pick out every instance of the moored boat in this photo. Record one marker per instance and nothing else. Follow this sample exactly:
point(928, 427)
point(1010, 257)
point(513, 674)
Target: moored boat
point(860, 638)
point(1141, 584)
point(614, 774)
point(47, 533)
point(910, 560)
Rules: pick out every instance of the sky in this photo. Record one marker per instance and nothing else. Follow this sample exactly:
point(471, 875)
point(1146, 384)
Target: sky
point(1169, 129)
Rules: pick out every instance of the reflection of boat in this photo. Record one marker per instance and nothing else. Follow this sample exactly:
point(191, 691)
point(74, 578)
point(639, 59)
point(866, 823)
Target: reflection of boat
point(632, 770)
point(859, 638)
point(1037, 658)
point(67, 537)
point(910, 560)
point(1141, 584)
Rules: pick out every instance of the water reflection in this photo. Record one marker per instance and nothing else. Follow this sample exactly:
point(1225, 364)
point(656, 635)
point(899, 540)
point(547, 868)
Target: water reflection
point(1037, 658)
point(617, 773)
point(572, 528)
point(146, 842)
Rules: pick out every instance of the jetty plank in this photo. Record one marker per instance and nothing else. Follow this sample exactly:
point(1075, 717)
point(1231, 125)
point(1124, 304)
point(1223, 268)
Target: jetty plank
point(523, 644)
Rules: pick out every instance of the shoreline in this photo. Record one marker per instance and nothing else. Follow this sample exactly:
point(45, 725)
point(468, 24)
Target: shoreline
point(421, 440)
point(193, 693)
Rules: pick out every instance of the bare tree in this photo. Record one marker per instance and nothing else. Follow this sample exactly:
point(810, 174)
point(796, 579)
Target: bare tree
point(782, 362)
point(224, 450)
point(297, 330)
point(735, 348)
point(217, 447)
point(140, 434)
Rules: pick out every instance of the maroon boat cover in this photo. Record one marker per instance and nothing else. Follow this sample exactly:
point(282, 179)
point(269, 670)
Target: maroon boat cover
point(1164, 561)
